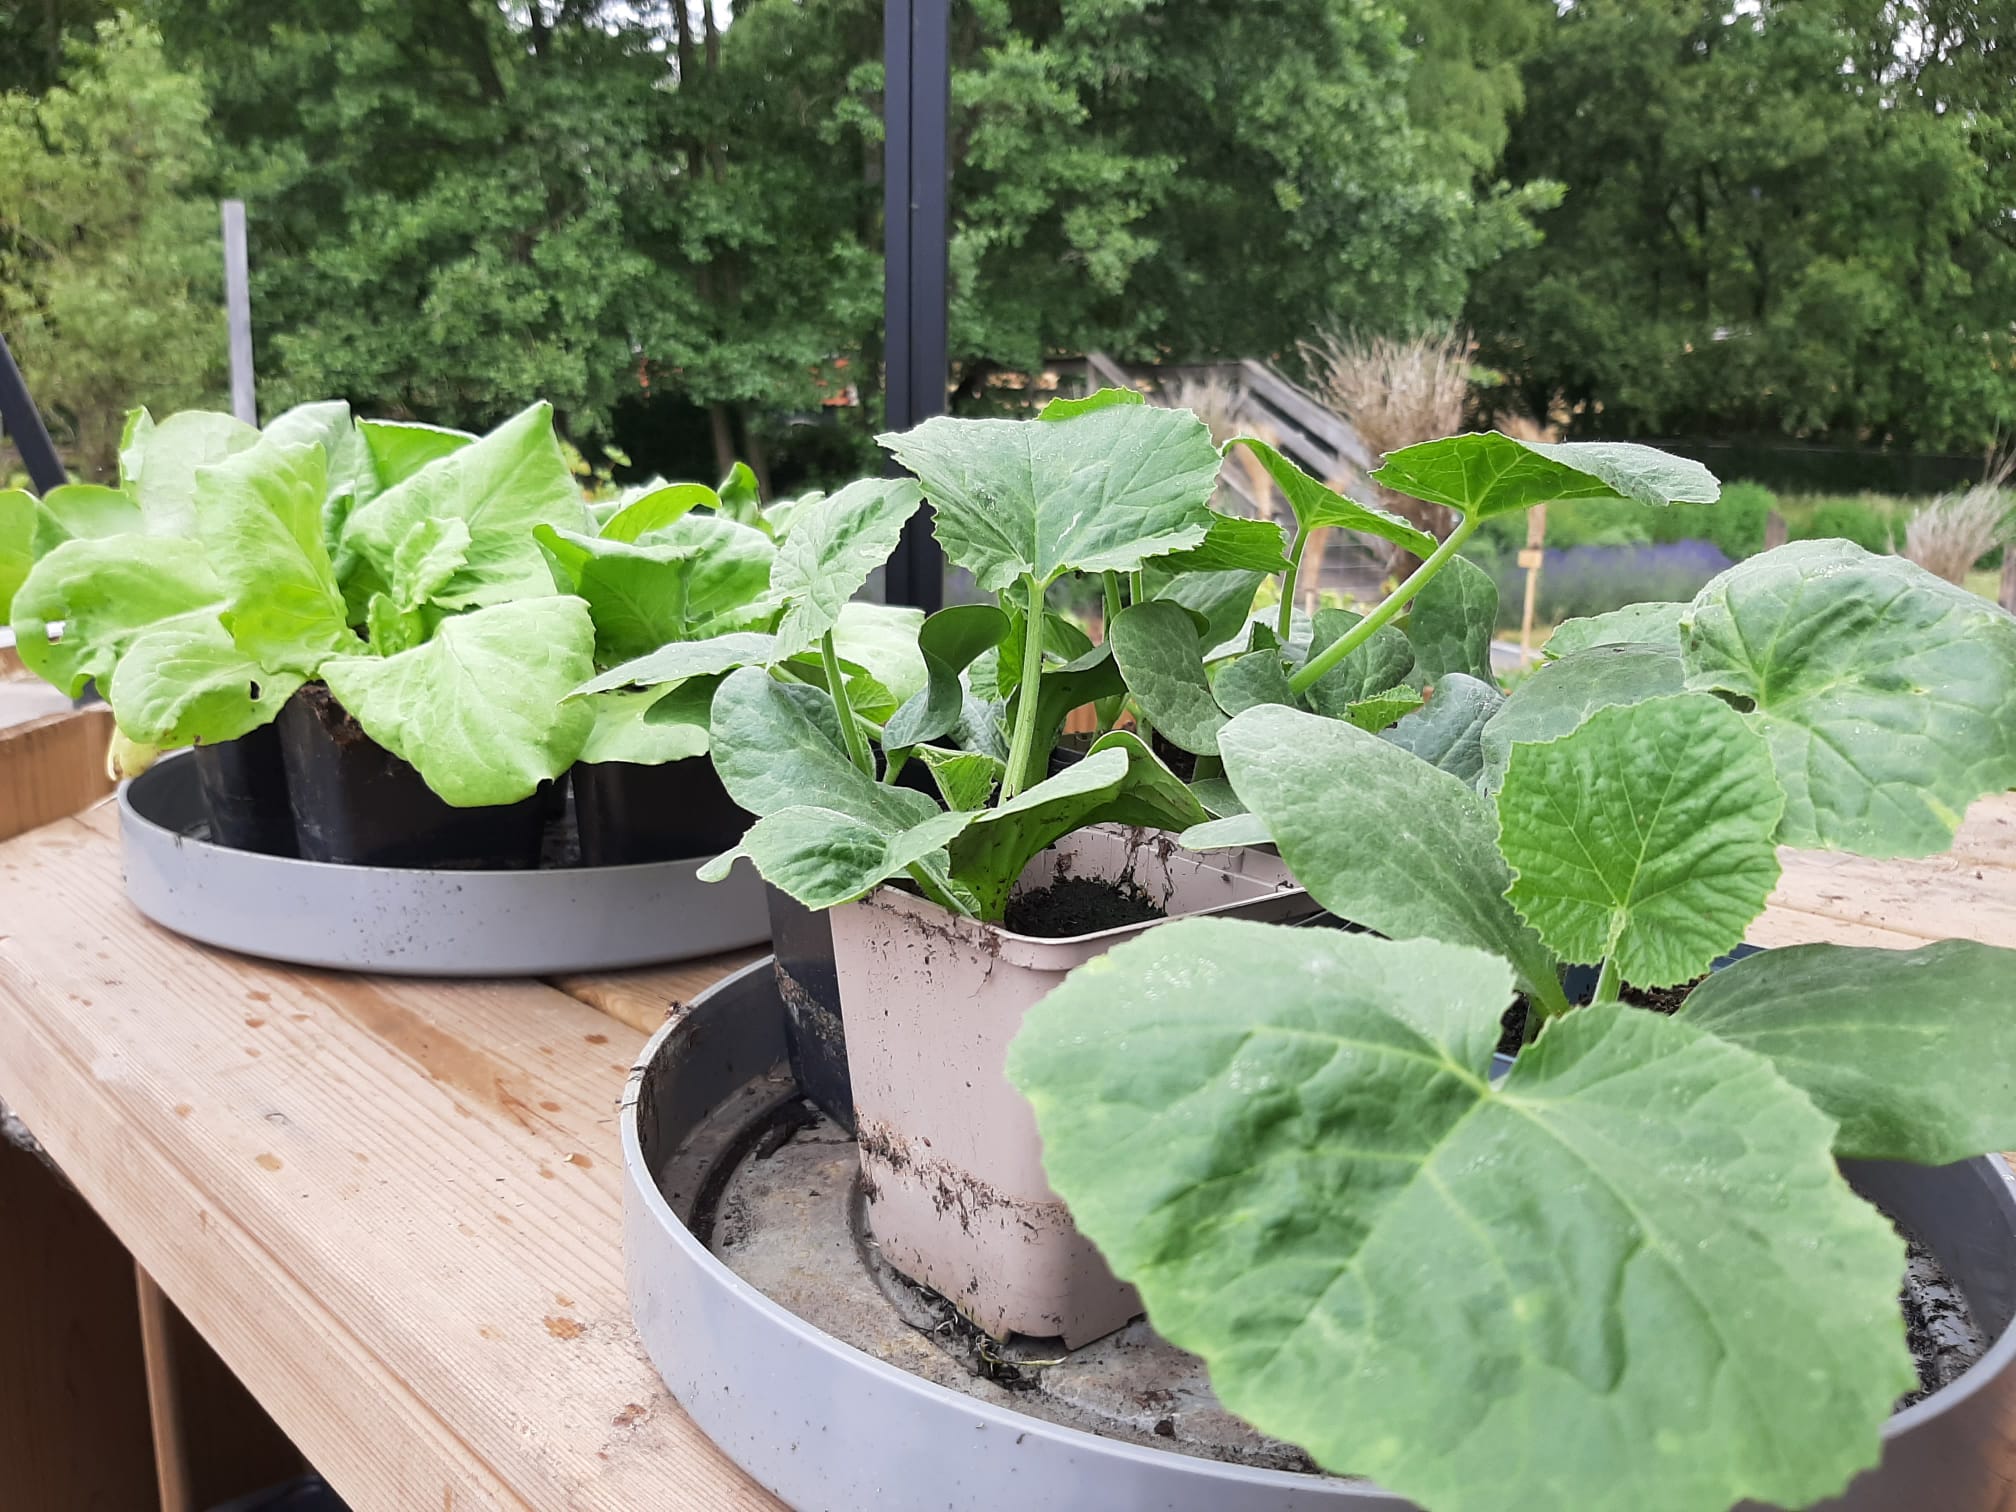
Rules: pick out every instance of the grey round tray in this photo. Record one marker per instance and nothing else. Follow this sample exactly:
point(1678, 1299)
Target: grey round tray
point(827, 1426)
point(419, 923)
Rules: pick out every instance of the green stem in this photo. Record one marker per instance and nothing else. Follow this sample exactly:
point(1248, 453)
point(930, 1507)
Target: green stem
point(836, 686)
point(1313, 669)
point(1287, 617)
point(1607, 984)
point(1112, 601)
point(1027, 695)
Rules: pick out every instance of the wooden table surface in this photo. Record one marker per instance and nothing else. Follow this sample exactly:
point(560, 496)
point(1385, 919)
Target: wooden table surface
point(393, 1205)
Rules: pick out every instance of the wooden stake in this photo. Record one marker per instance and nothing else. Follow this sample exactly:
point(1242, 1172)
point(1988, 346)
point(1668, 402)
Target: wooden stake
point(1530, 559)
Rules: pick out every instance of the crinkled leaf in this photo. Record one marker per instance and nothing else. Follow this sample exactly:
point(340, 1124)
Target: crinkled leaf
point(948, 641)
point(1644, 836)
point(635, 594)
point(727, 586)
point(477, 709)
point(657, 509)
point(650, 728)
point(1234, 543)
point(684, 659)
point(983, 726)
point(1380, 837)
point(191, 684)
point(1162, 659)
point(965, 779)
point(1225, 599)
point(1488, 474)
point(1888, 695)
point(833, 547)
point(1316, 504)
point(1449, 732)
point(18, 519)
point(881, 641)
point(1561, 694)
point(398, 449)
point(259, 518)
point(1105, 398)
point(432, 553)
point(391, 629)
point(348, 471)
point(1379, 665)
point(1383, 709)
point(1912, 1052)
point(1627, 1275)
point(824, 858)
point(500, 486)
point(1248, 681)
point(164, 483)
point(1104, 491)
point(1656, 624)
point(106, 594)
point(1450, 622)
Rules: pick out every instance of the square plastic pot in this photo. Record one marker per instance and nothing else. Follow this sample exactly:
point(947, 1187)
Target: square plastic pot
point(951, 1163)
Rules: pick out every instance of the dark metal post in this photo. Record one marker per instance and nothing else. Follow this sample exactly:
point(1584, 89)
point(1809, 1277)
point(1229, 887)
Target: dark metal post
point(23, 425)
point(917, 96)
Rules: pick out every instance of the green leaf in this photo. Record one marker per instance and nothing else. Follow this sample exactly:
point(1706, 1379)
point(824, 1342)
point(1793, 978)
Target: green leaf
point(881, 640)
point(1232, 544)
point(1449, 732)
point(1217, 796)
point(134, 435)
point(833, 547)
point(741, 498)
point(1071, 409)
point(391, 629)
point(501, 487)
point(1380, 837)
point(1911, 1052)
point(1450, 623)
point(1491, 474)
point(1376, 667)
point(18, 519)
point(657, 509)
point(477, 709)
point(1888, 695)
point(949, 641)
point(1092, 677)
point(1561, 694)
point(650, 728)
point(165, 480)
point(259, 516)
point(1248, 681)
point(1225, 599)
point(75, 510)
point(684, 659)
point(965, 779)
point(1157, 647)
point(1227, 832)
point(190, 685)
point(106, 594)
point(1656, 624)
point(433, 552)
point(397, 449)
point(726, 588)
point(635, 594)
point(1383, 709)
point(1104, 491)
point(777, 744)
point(824, 858)
point(1316, 504)
point(1643, 837)
point(1628, 1275)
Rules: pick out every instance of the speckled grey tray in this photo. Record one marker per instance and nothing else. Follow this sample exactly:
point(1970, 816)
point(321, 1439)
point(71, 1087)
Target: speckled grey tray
point(419, 923)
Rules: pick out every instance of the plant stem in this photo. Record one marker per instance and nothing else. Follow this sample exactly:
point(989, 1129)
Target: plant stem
point(1607, 984)
point(1287, 617)
point(1365, 629)
point(1027, 695)
point(1112, 602)
point(836, 686)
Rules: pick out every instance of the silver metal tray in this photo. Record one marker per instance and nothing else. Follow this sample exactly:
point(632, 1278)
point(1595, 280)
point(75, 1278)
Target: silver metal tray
point(419, 923)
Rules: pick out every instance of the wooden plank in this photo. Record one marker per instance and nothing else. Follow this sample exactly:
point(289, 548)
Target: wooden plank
point(164, 1402)
point(51, 767)
point(392, 1206)
point(643, 1000)
point(73, 1405)
point(1791, 926)
point(1988, 835)
point(1941, 897)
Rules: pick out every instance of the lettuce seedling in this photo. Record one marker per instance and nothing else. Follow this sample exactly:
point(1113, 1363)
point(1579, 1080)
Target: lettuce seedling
point(1628, 1273)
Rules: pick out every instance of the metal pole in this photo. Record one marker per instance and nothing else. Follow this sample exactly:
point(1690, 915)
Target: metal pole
point(917, 95)
point(238, 312)
point(23, 422)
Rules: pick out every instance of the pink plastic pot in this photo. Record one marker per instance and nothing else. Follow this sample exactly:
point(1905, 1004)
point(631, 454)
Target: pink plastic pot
point(950, 1158)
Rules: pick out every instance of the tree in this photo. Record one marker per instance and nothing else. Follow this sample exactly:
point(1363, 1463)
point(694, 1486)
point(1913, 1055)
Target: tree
point(110, 274)
point(1777, 219)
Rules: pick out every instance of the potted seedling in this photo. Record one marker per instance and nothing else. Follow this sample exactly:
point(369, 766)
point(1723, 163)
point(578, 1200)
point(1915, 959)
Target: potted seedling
point(1628, 1273)
point(956, 902)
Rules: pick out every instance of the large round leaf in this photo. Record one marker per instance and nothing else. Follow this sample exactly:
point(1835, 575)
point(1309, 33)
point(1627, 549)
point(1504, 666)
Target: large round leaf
point(1488, 474)
point(1560, 695)
point(1627, 1276)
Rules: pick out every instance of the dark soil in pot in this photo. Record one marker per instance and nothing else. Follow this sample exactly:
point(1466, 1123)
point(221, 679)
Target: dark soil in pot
point(357, 804)
point(629, 813)
point(244, 785)
point(1077, 906)
point(815, 1036)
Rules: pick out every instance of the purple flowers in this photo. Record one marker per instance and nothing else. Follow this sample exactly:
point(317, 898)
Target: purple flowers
point(1582, 580)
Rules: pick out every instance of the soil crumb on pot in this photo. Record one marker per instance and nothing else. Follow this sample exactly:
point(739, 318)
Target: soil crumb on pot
point(1077, 906)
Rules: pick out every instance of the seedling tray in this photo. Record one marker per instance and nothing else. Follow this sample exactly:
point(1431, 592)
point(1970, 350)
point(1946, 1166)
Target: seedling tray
point(723, 1158)
point(417, 922)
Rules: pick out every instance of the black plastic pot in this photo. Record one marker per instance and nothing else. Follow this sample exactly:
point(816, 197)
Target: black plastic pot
point(629, 813)
point(357, 804)
point(244, 785)
point(815, 1038)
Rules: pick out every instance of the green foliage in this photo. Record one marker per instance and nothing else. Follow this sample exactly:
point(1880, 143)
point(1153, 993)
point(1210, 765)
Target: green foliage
point(110, 275)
